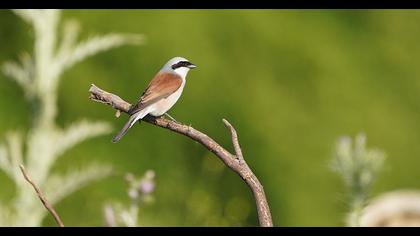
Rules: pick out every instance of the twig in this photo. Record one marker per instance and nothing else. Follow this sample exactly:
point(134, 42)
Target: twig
point(41, 197)
point(234, 162)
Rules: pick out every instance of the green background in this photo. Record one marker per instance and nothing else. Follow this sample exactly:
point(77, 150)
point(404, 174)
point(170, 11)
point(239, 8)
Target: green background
point(290, 81)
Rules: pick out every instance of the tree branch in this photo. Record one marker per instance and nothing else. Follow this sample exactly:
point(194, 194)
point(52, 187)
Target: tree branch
point(234, 162)
point(44, 201)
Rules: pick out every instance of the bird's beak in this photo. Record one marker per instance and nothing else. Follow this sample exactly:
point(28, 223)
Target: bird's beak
point(191, 66)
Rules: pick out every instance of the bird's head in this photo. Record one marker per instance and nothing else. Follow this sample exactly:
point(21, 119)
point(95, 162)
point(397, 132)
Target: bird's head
point(179, 65)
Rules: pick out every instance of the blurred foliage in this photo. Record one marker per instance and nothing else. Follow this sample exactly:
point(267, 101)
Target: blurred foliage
point(140, 193)
point(43, 143)
point(290, 81)
point(358, 166)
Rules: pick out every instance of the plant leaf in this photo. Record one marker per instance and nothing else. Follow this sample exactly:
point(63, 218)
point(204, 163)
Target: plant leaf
point(78, 132)
point(29, 15)
point(58, 187)
point(70, 33)
point(94, 45)
point(5, 164)
point(5, 216)
point(15, 153)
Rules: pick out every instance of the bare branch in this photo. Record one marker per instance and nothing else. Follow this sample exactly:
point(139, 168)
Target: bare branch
point(235, 141)
point(99, 95)
point(234, 162)
point(41, 197)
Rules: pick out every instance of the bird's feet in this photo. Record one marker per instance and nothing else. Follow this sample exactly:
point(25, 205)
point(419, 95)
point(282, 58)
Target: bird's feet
point(170, 117)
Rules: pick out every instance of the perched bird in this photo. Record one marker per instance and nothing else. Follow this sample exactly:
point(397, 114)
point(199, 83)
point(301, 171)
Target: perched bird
point(161, 94)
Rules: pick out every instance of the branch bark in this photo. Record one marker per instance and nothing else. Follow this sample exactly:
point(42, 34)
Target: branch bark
point(41, 197)
point(235, 162)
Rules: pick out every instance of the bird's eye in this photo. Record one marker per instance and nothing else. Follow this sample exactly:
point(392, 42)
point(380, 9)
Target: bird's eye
point(181, 64)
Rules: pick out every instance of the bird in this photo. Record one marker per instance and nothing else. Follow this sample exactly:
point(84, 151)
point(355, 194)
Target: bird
point(161, 94)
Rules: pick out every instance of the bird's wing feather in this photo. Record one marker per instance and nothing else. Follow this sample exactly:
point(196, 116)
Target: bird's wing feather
point(161, 86)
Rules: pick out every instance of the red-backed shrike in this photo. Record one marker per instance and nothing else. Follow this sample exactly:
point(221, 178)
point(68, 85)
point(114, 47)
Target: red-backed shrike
point(161, 94)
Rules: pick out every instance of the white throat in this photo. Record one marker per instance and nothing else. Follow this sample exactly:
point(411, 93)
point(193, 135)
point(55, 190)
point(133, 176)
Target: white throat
point(182, 71)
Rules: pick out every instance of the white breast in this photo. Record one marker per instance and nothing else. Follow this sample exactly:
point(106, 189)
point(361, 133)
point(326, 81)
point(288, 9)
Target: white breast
point(162, 106)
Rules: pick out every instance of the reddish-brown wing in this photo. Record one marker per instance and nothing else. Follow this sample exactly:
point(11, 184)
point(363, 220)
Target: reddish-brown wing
point(163, 85)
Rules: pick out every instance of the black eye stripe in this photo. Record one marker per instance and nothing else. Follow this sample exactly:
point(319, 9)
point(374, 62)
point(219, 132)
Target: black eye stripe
point(181, 64)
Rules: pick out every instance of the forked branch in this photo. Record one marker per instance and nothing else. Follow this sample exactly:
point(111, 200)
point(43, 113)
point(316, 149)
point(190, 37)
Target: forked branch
point(235, 161)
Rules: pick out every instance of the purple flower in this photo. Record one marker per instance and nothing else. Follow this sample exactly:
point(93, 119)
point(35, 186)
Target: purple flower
point(147, 186)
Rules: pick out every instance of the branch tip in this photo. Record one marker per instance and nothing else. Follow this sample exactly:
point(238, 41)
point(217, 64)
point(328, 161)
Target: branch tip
point(227, 124)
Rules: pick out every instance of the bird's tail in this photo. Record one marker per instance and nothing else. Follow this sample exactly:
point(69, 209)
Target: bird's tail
point(133, 119)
